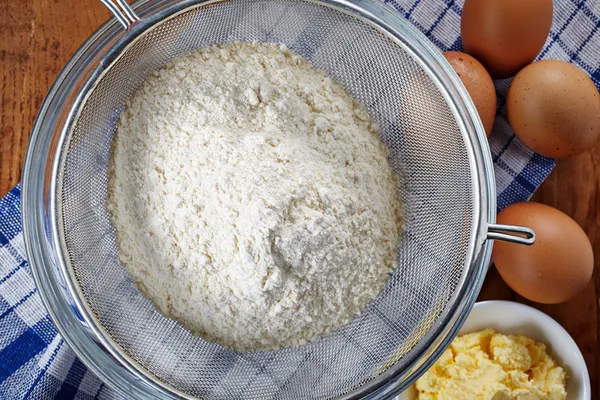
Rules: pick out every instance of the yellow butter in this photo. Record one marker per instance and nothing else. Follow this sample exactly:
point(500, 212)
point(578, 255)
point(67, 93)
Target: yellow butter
point(487, 365)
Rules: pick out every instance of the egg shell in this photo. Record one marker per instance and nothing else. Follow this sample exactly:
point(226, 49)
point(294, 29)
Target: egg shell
point(556, 267)
point(554, 109)
point(478, 83)
point(505, 35)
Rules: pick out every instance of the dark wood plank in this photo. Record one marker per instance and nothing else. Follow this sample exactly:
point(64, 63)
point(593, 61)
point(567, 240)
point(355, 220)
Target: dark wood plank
point(37, 37)
point(574, 188)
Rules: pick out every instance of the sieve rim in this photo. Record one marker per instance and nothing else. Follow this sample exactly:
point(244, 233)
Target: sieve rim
point(433, 343)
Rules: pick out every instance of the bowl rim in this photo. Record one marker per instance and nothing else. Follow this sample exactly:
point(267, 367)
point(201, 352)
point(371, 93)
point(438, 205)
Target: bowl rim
point(558, 331)
point(82, 336)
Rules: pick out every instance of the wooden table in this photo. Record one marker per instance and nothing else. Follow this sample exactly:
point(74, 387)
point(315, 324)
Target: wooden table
point(37, 37)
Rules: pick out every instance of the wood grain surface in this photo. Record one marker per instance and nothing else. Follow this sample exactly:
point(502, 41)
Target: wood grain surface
point(37, 37)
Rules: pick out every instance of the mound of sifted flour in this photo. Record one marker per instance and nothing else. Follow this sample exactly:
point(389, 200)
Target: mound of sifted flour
point(252, 198)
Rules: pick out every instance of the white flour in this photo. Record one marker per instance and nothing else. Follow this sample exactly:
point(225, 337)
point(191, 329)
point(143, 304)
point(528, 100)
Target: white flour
point(253, 200)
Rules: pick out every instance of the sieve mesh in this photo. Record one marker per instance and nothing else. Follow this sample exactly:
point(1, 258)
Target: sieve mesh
point(427, 150)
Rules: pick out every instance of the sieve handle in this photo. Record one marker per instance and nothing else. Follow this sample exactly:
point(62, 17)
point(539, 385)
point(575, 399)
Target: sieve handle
point(511, 233)
point(122, 11)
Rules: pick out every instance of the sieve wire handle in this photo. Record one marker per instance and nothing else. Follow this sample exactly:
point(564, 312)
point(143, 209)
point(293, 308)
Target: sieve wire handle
point(511, 233)
point(122, 11)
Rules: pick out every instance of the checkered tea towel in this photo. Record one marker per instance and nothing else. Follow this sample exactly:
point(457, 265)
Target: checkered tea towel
point(35, 363)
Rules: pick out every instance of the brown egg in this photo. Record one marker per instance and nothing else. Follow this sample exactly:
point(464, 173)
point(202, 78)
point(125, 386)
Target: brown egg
point(554, 108)
point(505, 35)
point(556, 267)
point(478, 83)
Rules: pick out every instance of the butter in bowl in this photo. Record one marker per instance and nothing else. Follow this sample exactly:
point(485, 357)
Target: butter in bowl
point(506, 351)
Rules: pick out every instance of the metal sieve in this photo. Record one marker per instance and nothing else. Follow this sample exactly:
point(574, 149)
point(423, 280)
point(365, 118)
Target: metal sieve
point(437, 147)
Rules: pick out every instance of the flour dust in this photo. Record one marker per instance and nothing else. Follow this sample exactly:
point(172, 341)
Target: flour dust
point(252, 198)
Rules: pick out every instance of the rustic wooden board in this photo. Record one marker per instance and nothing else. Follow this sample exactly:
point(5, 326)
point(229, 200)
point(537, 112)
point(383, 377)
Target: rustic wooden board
point(574, 188)
point(37, 37)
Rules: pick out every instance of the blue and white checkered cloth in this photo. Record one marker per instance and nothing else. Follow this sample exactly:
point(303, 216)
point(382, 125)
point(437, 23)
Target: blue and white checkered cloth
point(36, 363)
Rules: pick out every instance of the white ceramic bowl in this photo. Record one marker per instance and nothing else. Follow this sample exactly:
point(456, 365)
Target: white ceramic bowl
point(513, 318)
